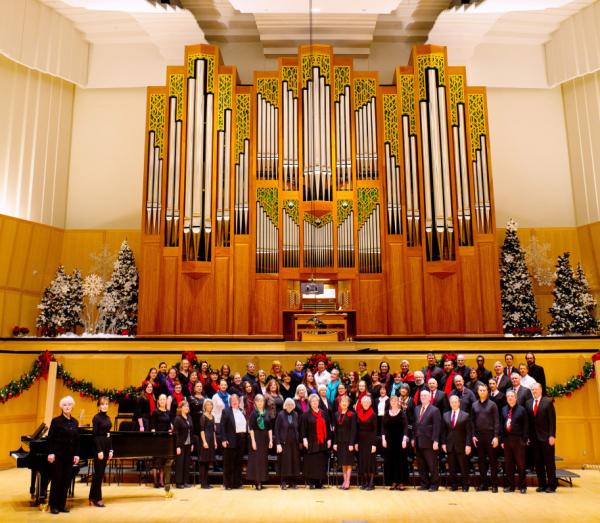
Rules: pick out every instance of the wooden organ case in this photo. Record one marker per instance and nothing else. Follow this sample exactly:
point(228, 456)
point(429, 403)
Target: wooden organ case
point(316, 172)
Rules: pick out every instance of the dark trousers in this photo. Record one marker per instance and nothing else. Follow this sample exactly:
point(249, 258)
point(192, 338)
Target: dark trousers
point(96, 488)
point(203, 473)
point(232, 462)
point(428, 468)
point(514, 454)
point(182, 465)
point(486, 453)
point(545, 466)
point(62, 474)
point(458, 460)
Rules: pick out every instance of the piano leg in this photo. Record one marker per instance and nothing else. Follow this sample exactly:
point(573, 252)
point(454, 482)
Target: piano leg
point(167, 475)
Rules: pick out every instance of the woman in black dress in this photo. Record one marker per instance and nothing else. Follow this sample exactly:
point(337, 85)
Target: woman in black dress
point(273, 400)
point(316, 438)
point(248, 399)
point(63, 453)
point(286, 389)
point(261, 440)
point(344, 439)
point(287, 440)
point(160, 421)
point(208, 440)
point(101, 426)
point(145, 405)
point(394, 440)
point(366, 445)
point(196, 403)
point(183, 428)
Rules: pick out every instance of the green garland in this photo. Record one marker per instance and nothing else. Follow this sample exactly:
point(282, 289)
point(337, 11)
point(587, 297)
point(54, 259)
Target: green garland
point(573, 383)
point(87, 390)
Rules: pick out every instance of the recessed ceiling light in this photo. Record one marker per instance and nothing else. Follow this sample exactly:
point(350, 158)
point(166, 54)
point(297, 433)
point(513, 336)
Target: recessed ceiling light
point(316, 10)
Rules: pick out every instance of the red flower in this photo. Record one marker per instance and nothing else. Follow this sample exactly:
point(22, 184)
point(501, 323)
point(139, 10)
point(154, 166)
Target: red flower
point(568, 394)
point(24, 330)
point(124, 332)
point(16, 330)
point(596, 357)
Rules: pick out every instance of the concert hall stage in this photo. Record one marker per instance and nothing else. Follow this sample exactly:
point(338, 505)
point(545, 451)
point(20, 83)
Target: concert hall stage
point(133, 503)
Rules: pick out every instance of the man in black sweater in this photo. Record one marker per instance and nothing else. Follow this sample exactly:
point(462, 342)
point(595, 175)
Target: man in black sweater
point(466, 397)
point(536, 371)
point(515, 432)
point(486, 429)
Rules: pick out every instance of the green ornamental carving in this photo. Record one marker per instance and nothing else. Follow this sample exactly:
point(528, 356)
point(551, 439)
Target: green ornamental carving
point(156, 121)
point(176, 90)
point(289, 74)
point(210, 69)
point(430, 61)
point(407, 96)
point(291, 207)
point(269, 201)
point(457, 95)
point(318, 59)
point(318, 221)
point(225, 99)
point(341, 79)
point(269, 90)
point(368, 198)
point(242, 115)
point(364, 90)
point(390, 122)
point(344, 208)
point(476, 121)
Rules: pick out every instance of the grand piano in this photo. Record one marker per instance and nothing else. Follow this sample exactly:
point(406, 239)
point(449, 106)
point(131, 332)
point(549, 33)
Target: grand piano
point(130, 445)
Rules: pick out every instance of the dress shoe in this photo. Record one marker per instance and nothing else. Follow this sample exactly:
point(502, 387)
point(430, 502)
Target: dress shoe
point(495, 490)
point(259, 486)
point(482, 488)
point(465, 489)
point(313, 487)
point(228, 488)
point(550, 490)
point(433, 489)
point(284, 486)
point(54, 511)
point(65, 510)
point(523, 491)
point(179, 486)
point(453, 488)
point(186, 485)
point(97, 503)
point(293, 486)
point(422, 487)
point(509, 489)
point(206, 487)
point(540, 489)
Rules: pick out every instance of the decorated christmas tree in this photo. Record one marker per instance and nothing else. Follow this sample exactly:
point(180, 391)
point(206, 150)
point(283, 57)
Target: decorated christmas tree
point(519, 310)
point(61, 305)
point(569, 314)
point(118, 307)
point(584, 288)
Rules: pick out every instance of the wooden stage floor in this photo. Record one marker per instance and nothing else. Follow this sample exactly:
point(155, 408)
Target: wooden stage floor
point(132, 503)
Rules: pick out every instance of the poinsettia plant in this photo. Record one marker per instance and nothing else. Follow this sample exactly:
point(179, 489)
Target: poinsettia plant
point(313, 360)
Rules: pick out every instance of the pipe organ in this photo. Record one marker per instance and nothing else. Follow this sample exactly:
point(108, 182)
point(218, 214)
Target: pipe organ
point(317, 172)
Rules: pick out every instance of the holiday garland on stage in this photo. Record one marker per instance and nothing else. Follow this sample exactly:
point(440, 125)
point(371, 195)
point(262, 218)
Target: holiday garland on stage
point(86, 389)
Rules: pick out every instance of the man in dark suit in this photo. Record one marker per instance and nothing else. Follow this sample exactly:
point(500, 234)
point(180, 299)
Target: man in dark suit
point(509, 359)
point(467, 398)
point(457, 436)
point(536, 371)
point(426, 438)
point(514, 434)
point(438, 398)
point(461, 368)
point(523, 393)
point(233, 437)
point(420, 385)
point(542, 430)
point(250, 373)
point(486, 429)
point(432, 370)
point(496, 396)
point(501, 379)
point(483, 375)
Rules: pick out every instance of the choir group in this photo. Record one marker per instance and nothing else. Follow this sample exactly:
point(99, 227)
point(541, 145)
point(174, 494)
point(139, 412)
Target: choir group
point(437, 415)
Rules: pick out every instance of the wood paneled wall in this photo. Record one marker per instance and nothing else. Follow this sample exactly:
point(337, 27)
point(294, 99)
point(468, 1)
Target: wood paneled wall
point(578, 416)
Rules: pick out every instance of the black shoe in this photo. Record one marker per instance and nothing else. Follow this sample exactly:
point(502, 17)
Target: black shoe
point(465, 489)
point(293, 486)
point(495, 490)
point(540, 489)
point(179, 486)
point(523, 490)
point(206, 487)
point(433, 489)
point(186, 485)
point(509, 489)
point(482, 488)
point(550, 490)
point(65, 510)
point(284, 486)
point(313, 487)
point(369, 487)
point(228, 488)
point(453, 488)
point(362, 487)
point(422, 487)
point(259, 486)
point(54, 511)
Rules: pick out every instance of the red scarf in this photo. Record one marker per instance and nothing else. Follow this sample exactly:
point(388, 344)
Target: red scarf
point(178, 397)
point(321, 427)
point(416, 396)
point(152, 401)
point(449, 383)
point(363, 415)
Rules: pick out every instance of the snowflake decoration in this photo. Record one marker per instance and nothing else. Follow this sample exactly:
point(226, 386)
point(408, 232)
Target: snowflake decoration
point(103, 262)
point(511, 225)
point(537, 257)
point(93, 286)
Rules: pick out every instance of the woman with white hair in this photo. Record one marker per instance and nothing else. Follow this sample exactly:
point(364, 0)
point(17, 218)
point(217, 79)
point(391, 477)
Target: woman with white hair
point(366, 443)
point(63, 453)
point(261, 440)
point(316, 438)
point(287, 439)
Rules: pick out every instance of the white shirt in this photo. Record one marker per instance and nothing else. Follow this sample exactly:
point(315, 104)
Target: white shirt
point(240, 420)
point(527, 381)
point(218, 407)
point(381, 406)
point(322, 378)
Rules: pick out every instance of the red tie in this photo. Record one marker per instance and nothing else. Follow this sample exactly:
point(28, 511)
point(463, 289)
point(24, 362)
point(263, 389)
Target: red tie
point(535, 407)
point(454, 419)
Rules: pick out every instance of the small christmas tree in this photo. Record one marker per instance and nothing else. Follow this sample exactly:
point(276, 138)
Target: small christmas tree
point(584, 288)
point(118, 306)
point(61, 305)
point(569, 314)
point(519, 310)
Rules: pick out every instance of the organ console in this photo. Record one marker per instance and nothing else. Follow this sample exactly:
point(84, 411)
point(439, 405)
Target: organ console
point(318, 171)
